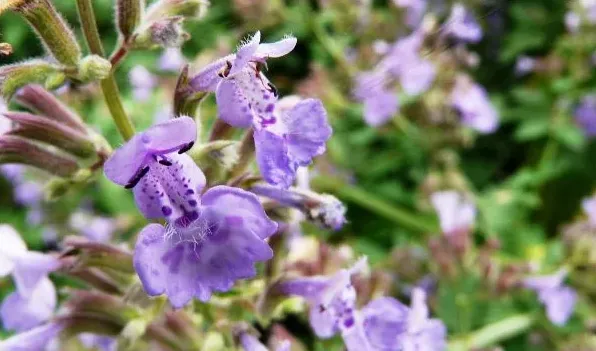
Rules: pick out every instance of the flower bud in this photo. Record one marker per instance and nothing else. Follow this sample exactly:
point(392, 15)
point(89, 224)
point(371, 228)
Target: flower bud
point(55, 80)
point(168, 8)
point(52, 132)
point(12, 77)
point(186, 100)
point(14, 149)
point(41, 101)
point(93, 67)
point(165, 33)
point(134, 330)
point(55, 34)
point(128, 16)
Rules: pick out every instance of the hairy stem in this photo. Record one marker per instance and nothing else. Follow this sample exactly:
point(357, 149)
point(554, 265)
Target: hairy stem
point(108, 86)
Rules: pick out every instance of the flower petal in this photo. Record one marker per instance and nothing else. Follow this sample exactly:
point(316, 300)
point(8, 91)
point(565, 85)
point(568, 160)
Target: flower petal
point(23, 313)
point(12, 246)
point(354, 336)
point(34, 339)
point(208, 78)
point(171, 192)
point(233, 105)
point(378, 109)
point(247, 206)
point(559, 303)
point(250, 343)
point(162, 138)
point(278, 49)
point(272, 157)
point(31, 268)
point(384, 320)
point(307, 130)
point(245, 54)
point(417, 77)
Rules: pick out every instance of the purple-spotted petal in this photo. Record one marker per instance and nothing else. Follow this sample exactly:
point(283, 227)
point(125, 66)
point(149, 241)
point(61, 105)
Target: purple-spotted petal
point(170, 191)
point(234, 107)
point(246, 205)
point(12, 246)
point(20, 313)
point(323, 322)
point(31, 268)
point(355, 337)
point(33, 340)
point(162, 138)
point(307, 130)
point(245, 54)
point(278, 49)
point(272, 157)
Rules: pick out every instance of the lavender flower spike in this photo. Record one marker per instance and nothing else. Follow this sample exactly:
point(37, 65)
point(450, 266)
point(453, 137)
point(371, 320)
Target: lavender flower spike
point(242, 91)
point(28, 268)
point(165, 181)
point(390, 325)
point(558, 298)
point(332, 303)
point(208, 254)
point(21, 313)
point(456, 212)
point(292, 137)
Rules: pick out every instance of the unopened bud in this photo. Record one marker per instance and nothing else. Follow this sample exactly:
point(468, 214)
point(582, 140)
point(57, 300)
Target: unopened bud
point(55, 34)
point(12, 77)
point(5, 49)
point(128, 16)
point(331, 213)
point(14, 149)
point(165, 33)
point(94, 67)
point(55, 80)
point(52, 132)
point(41, 101)
point(56, 188)
point(186, 100)
point(134, 330)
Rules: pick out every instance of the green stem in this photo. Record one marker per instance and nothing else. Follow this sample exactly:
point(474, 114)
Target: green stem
point(108, 86)
point(357, 195)
point(330, 46)
point(493, 333)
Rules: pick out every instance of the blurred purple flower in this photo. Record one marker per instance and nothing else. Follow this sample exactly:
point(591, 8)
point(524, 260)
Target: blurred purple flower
point(474, 106)
point(37, 339)
point(143, 82)
point(166, 182)
point(559, 299)
point(208, 254)
point(524, 65)
point(28, 193)
point(589, 207)
point(244, 95)
point(380, 102)
point(415, 11)
point(250, 343)
point(390, 325)
point(585, 115)
point(292, 137)
point(572, 22)
point(171, 60)
point(94, 228)
point(28, 268)
point(455, 211)
point(20, 313)
point(332, 303)
point(462, 25)
point(99, 342)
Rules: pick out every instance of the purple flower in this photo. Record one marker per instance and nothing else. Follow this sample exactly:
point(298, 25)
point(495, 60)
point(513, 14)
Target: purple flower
point(28, 268)
point(572, 22)
point(559, 299)
point(390, 325)
point(291, 138)
point(332, 303)
point(250, 343)
point(28, 193)
point(244, 95)
point(142, 81)
point(462, 25)
point(589, 207)
point(585, 115)
point(99, 342)
point(21, 313)
point(524, 65)
point(208, 254)
point(165, 181)
point(380, 101)
point(37, 339)
point(415, 11)
point(94, 228)
point(171, 60)
point(456, 212)
point(474, 106)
